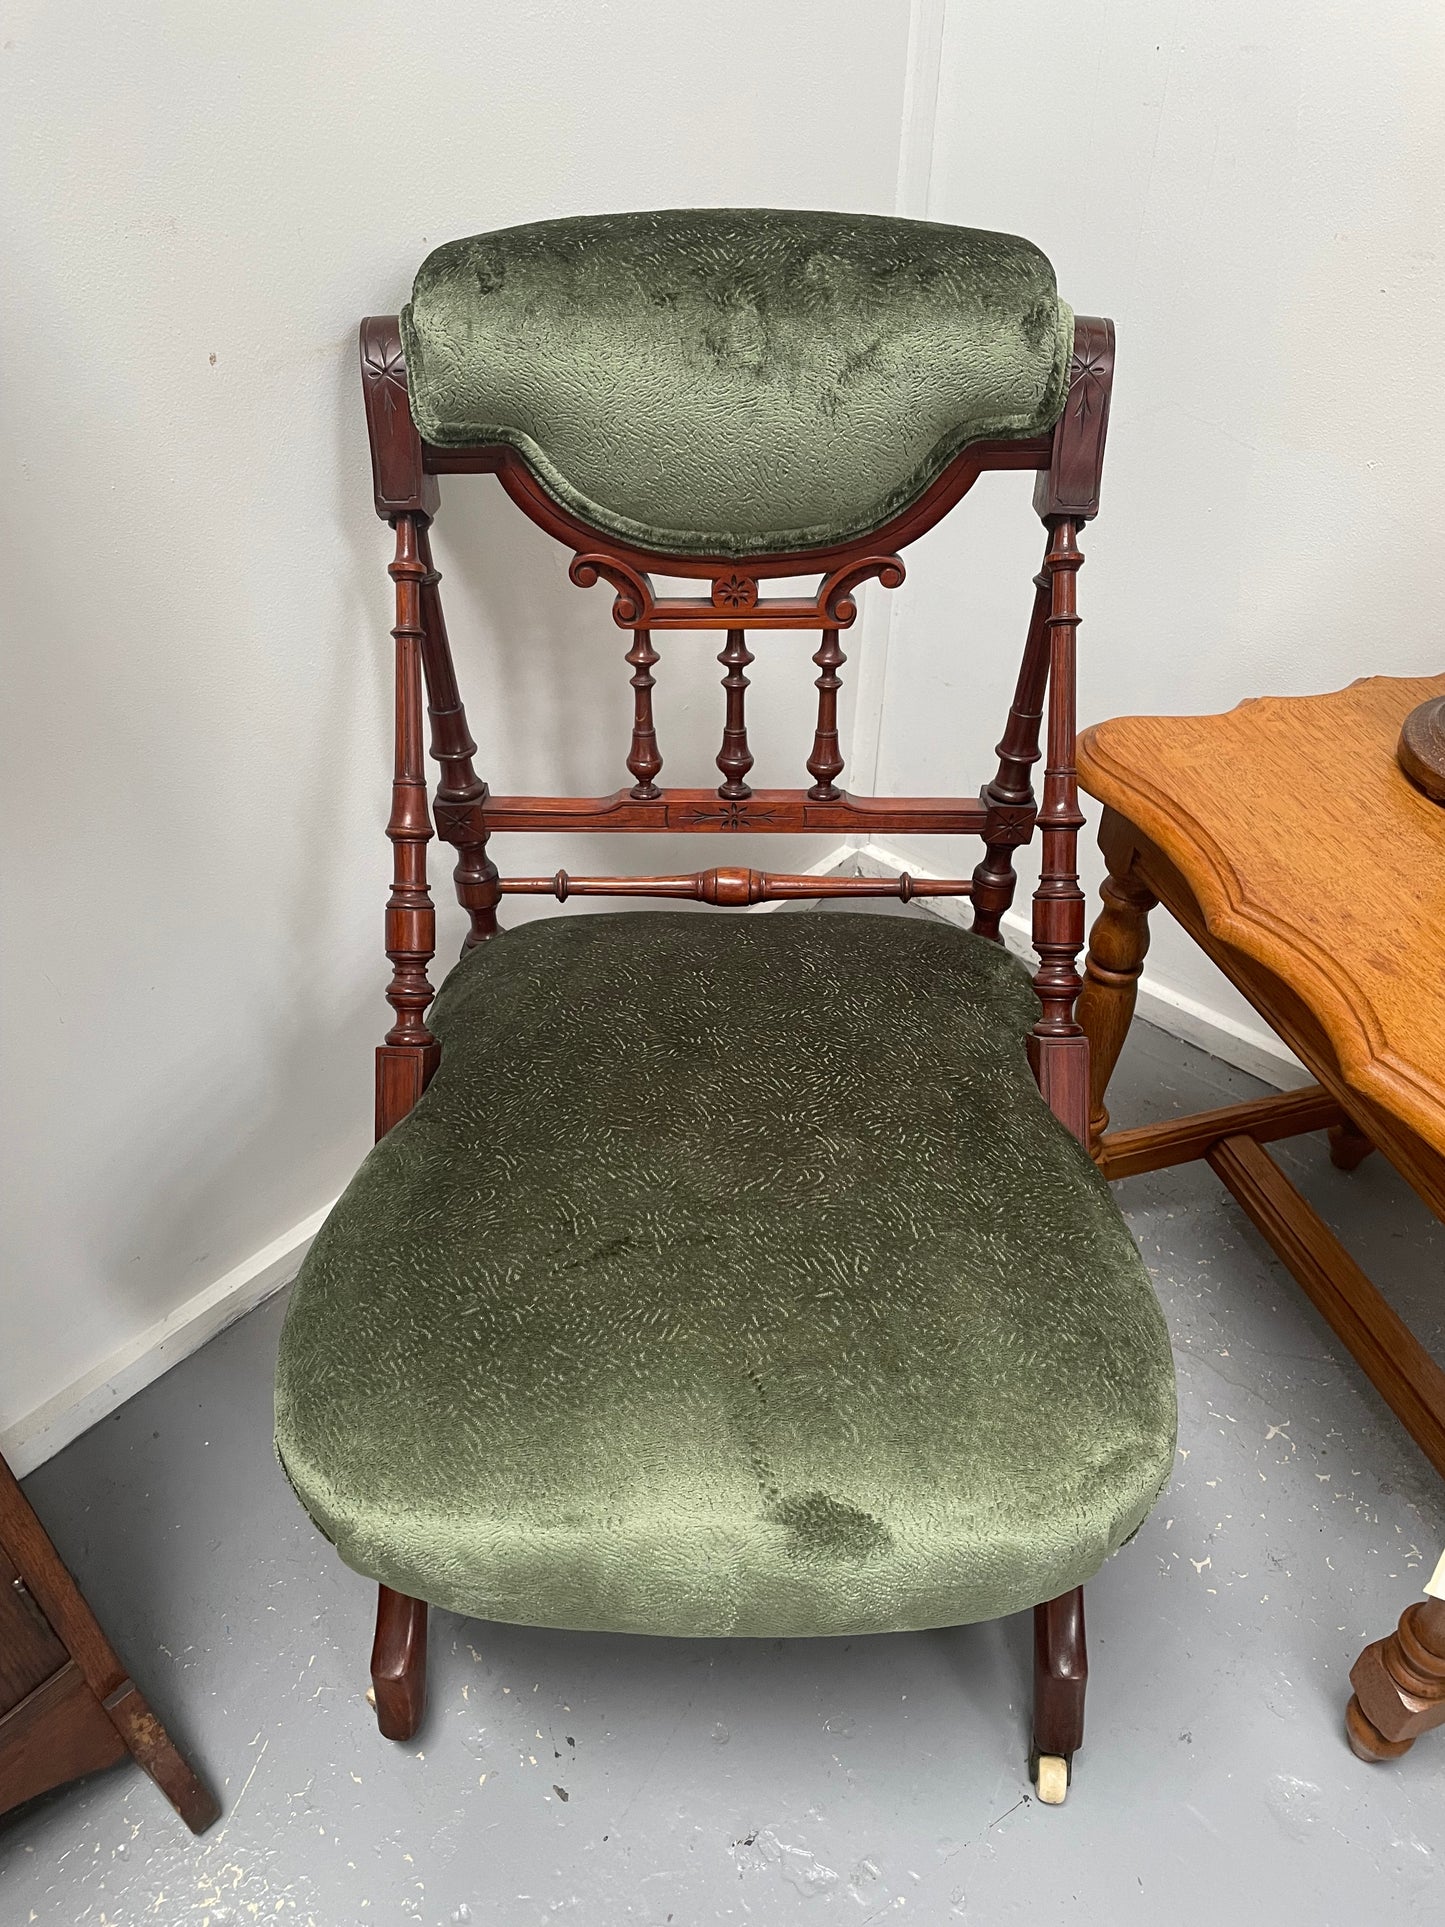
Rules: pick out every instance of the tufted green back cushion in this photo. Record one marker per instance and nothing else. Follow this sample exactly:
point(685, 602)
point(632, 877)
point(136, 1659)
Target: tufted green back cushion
point(735, 381)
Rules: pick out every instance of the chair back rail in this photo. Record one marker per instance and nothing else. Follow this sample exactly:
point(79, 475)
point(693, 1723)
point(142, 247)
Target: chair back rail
point(1068, 461)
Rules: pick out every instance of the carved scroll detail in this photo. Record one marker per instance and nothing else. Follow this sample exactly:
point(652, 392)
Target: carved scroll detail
point(835, 595)
point(634, 602)
point(636, 605)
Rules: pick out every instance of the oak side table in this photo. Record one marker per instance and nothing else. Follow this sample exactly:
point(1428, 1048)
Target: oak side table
point(1288, 842)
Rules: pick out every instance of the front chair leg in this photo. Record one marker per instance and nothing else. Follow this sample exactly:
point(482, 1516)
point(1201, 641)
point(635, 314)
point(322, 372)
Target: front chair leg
point(398, 1663)
point(1061, 1674)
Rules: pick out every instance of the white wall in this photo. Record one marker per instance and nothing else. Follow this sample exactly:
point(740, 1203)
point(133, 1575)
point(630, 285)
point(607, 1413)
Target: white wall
point(1253, 190)
point(201, 204)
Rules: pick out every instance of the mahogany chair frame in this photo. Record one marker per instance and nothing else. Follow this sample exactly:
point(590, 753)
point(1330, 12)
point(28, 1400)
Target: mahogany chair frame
point(1068, 462)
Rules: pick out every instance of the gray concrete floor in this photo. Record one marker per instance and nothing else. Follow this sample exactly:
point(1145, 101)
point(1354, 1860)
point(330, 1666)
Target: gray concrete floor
point(610, 1780)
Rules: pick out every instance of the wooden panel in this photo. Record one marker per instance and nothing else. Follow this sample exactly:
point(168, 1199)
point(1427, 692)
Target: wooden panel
point(112, 1696)
point(55, 1734)
point(29, 1650)
point(1309, 852)
point(769, 811)
point(55, 1592)
point(1402, 1371)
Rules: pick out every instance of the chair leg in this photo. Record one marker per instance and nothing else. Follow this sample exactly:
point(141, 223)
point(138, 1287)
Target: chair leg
point(398, 1663)
point(1061, 1674)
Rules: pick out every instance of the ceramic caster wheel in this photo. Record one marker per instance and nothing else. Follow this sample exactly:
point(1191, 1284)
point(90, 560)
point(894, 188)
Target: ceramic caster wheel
point(1051, 1778)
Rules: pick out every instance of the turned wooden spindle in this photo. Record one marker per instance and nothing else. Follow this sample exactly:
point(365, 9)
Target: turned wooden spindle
point(410, 1053)
point(1399, 1684)
point(1118, 943)
point(825, 764)
point(1058, 1048)
point(735, 759)
point(461, 796)
point(643, 759)
point(729, 885)
point(1010, 796)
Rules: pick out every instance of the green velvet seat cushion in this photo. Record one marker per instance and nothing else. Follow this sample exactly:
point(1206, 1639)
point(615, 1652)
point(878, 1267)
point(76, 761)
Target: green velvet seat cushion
point(735, 381)
point(730, 1278)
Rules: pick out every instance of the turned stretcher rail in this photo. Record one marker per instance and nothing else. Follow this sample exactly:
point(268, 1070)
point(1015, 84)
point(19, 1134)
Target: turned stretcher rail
point(735, 886)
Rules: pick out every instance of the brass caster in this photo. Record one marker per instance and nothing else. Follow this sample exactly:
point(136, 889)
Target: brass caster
point(1051, 1778)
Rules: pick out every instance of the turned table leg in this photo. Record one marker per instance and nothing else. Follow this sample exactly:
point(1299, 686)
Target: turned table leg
point(1117, 946)
point(1399, 1685)
point(1349, 1147)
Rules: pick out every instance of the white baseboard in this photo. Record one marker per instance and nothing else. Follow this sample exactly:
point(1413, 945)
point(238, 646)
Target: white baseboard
point(41, 1432)
point(1247, 1047)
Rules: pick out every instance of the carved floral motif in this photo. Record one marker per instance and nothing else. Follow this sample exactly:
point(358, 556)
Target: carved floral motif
point(734, 591)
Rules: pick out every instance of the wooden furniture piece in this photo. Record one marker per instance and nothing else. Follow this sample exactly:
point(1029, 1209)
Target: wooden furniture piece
point(1288, 842)
point(1067, 459)
point(1399, 1681)
point(67, 1705)
point(1421, 750)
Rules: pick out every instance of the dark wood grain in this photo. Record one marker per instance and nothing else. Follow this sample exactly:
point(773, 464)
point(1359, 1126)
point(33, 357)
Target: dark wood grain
point(67, 1704)
point(825, 763)
point(408, 1057)
point(398, 1663)
point(29, 1649)
point(1061, 1674)
point(58, 1732)
point(1070, 485)
point(400, 481)
point(1009, 800)
point(461, 795)
point(643, 758)
point(769, 812)
point(1058, 1047)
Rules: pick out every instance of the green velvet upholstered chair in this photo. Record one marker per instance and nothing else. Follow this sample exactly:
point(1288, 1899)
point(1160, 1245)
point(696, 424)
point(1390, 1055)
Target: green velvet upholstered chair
point(732, 1274)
